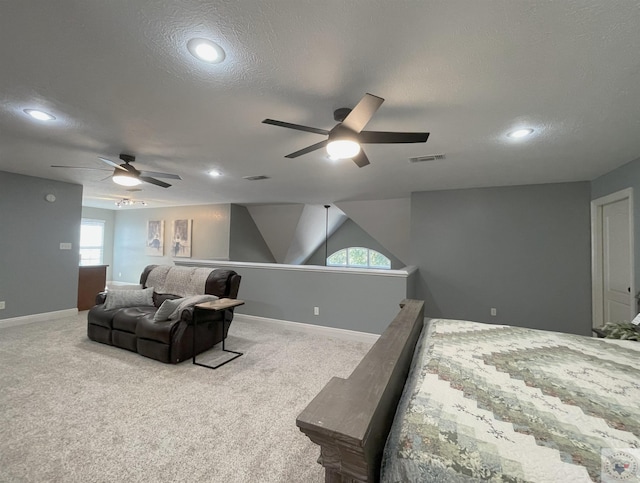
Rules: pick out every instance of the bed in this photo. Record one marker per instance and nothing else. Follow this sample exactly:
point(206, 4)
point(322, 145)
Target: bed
point(465, 401)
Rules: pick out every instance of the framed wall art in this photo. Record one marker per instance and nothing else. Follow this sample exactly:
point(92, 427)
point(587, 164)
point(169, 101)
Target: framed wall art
point(181, 238)
point(155, 238)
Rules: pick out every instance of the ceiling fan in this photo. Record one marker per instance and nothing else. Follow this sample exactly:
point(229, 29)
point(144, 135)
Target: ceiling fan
point(344, 139)
point(126, 175)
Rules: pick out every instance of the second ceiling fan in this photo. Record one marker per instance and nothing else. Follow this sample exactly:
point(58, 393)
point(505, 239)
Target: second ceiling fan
point(126, 175)
point(343, 141)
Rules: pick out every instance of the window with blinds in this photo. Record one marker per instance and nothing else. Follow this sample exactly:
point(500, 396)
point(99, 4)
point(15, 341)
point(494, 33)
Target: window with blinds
point(91, 242)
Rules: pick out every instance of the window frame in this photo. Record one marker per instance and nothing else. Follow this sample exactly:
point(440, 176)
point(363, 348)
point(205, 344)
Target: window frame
point(347, 263)
point(92, 261)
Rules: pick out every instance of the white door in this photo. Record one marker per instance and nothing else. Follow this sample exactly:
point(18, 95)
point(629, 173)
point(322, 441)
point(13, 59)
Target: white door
point(616, 262)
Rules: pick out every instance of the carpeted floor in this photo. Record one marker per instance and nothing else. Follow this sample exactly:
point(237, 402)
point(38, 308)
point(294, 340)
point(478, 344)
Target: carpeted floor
point(76, 410)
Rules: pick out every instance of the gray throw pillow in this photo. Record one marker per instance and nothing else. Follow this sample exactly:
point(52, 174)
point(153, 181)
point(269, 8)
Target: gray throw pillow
point(117, 299)
point(166, 309)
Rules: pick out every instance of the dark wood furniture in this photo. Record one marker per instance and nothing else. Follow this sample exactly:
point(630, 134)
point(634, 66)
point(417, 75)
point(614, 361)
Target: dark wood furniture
point(351, 418)
point(92, 279)
point(216, 305)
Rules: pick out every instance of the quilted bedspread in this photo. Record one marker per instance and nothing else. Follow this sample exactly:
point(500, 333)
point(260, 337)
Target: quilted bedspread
point(499, 403)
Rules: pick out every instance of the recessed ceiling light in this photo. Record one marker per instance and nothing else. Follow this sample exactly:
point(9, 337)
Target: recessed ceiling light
point(214, 173)
point(206, 50)
point(39, 115)
point(520, 133)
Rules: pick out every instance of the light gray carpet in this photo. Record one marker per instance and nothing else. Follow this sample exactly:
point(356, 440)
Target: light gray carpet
point(75, 410)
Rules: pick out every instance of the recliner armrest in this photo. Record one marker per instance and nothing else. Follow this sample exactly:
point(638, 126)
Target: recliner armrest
point(187, 315)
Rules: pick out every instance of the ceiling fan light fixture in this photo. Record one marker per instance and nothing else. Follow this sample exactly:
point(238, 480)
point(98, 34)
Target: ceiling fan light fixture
point(206, 50)
point(125, 179)
point(343, 149)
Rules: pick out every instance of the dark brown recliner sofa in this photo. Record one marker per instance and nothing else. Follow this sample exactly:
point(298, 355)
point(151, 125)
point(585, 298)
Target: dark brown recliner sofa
point(169, 341)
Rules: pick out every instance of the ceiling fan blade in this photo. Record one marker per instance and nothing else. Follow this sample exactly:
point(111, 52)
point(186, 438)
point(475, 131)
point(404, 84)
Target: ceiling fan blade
point(382, 137)
point(314, 130)
point(111, 163)
point(159, 175)
point(157, 182)
point(361, 159)
point(308, 149)
point(78, 167)
point(360, 115)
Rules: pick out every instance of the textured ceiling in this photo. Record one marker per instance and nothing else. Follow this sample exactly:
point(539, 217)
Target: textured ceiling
point(118, 77)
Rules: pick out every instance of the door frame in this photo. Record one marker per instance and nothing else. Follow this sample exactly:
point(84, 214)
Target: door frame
point(597, 255)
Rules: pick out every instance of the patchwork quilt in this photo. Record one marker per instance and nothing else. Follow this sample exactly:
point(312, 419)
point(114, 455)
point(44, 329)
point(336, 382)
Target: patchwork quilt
point(507, 404)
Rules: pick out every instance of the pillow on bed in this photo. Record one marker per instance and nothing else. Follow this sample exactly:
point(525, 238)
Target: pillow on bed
point(166, 309)
point(117, 299)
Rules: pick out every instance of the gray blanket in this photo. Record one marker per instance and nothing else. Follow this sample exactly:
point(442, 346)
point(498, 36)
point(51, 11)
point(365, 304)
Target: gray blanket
point(181, 281)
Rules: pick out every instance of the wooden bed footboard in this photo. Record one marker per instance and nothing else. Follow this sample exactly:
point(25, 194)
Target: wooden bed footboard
point(351, 418)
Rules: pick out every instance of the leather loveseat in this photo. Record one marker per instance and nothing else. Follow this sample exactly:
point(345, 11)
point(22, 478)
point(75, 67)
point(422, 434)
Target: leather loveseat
point(170, 341)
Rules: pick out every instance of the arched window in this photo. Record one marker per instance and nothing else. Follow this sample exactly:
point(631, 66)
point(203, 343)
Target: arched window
point(358, 257)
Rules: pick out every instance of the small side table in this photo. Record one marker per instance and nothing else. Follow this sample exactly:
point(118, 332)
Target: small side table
point(216, 305)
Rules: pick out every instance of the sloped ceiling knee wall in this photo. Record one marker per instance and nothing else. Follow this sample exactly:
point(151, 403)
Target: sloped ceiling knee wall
point(293, 232)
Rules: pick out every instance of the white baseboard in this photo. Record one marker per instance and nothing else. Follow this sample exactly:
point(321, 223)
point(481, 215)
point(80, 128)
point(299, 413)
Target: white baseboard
point(344, 334)
point(29, 319)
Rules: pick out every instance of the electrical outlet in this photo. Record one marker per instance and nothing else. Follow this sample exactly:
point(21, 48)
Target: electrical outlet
point(2, 306)
point(316, 311)
point(494, 312)
point(65, 246)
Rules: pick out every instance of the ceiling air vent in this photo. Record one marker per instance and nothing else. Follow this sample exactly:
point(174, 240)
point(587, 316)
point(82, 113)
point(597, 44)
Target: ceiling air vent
point(255, 178)
point(429, 157)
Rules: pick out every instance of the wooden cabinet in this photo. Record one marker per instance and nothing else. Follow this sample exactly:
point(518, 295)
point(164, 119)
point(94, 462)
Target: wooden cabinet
point(92, 279)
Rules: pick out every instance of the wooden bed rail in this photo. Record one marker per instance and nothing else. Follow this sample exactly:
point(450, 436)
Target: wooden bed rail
point(351, 418)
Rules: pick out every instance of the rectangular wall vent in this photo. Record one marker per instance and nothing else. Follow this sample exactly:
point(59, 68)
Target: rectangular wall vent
point(255, 178)
point(429, 157)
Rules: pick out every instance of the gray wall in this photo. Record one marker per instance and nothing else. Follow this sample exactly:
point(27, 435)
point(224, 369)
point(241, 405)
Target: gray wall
point(210, 237)
point(627, 176)
point(246, 243)
point(387, 221)
point(365, 302)
point(349, 234)
point(35, 275)
point(524, 250)
point(109, 218)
